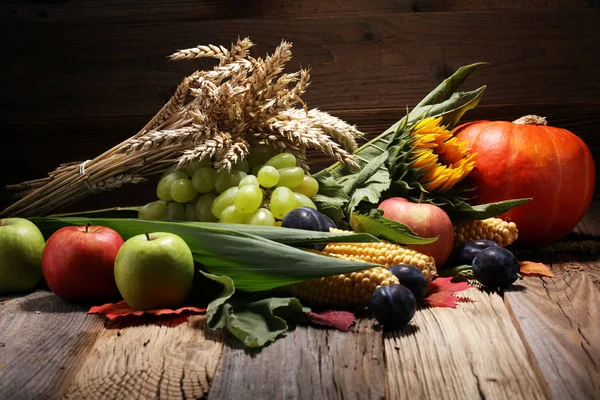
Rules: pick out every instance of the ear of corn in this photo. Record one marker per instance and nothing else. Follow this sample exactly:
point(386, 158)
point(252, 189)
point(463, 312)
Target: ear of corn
point(344, 290)
point(496, 229)
point(355, 289)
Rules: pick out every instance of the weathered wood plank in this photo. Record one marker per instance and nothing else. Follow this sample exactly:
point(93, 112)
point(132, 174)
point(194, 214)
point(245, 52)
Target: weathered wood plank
point(473, 351)
point(115, 10)
point(308, 363)
point(168, 359)
point(559, 320)
point(370, 61)
point(43, 342)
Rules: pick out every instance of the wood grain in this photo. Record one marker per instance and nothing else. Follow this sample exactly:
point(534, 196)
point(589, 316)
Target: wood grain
point(559, 320)
point(371, 61)
point(115, 10)
point(43, 341)
point(168, 359)
point(308, 363)
point(473, 351)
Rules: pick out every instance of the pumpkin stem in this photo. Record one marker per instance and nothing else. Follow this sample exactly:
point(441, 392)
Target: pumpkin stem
point(531, 120)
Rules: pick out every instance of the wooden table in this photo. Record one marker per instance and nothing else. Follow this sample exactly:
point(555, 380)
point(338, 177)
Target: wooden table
point(541, 339)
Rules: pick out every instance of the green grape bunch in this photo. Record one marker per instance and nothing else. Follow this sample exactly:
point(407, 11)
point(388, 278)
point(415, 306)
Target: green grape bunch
point(259, 190)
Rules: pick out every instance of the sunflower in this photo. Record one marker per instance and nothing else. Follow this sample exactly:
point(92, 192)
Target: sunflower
point(442, 160)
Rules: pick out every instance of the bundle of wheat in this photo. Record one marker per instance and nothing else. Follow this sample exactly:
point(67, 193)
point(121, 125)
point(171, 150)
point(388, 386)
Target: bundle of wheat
point(219, 114)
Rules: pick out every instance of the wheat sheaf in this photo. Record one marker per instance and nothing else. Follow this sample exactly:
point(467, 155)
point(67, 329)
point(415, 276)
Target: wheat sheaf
point(219, 114)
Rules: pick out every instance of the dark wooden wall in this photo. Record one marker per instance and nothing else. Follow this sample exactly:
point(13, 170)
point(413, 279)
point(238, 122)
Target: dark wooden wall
point(77, 77)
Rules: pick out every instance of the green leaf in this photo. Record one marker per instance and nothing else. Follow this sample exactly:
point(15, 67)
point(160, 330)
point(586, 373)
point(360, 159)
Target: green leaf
point(259, 322)
point(133, 227)
point(483, 211)
point(379, 226)
point(368, 183)
point(331, 198)
point(445, 89)
point(216, 317)
point(253, 262)
point(113, 212)
point(451, 109)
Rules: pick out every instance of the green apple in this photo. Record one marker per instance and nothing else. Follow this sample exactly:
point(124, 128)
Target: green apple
point(21, 246)
point(154, 270)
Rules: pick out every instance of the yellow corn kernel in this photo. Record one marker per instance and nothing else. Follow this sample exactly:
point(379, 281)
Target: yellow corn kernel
point(496, 229)
point(383, 252)
point(344, 290)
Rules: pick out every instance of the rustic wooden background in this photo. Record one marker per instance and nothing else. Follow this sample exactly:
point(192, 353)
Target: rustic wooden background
point(77, 77)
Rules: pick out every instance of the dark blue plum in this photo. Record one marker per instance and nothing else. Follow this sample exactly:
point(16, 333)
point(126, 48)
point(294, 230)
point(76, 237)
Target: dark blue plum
point(470, 249)
point(495, 267)
point(412, 278)
point(329, 222)
point(393, 306)
point(305, 218)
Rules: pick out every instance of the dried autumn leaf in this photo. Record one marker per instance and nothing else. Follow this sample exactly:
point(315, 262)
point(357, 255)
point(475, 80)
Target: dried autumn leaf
point(122, 309)
point(530, 268)
point(341, 320)
point(441, 292)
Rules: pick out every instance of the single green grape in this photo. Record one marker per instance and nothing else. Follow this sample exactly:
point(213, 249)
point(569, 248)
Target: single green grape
point(268, 176)
point(223, 201)
point(174, 211)
point(203, 207)
point(163, 190)
point(262, 216)
point(230, 215)
point(194, 200)
point(194, 166)
point(248, 198)
point(172, 168)
point(236, 176)
point(256, 168)
point(153, 211)
point(241, 165)
point(222, 181)
point(249, 180)
point(290, 177)
point(282, 201)
point(304, 201)
point(182, 190)
point(190, 212)
point(260, 153)
point(309, 186)
point(204, 180)
point(282, 160)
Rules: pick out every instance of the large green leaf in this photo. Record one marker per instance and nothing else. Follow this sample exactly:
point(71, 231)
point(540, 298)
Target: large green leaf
point(255, 322)
point(259, 322)
point(387, 229)
point(483, 211)
point(253, 262)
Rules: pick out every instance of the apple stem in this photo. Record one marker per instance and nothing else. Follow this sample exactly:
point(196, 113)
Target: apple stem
point(88, 226)
point(147, 236)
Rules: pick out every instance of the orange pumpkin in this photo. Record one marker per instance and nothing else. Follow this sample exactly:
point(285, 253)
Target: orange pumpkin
point(526, 158)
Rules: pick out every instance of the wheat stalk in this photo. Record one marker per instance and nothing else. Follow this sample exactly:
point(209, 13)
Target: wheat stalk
point(219, 114)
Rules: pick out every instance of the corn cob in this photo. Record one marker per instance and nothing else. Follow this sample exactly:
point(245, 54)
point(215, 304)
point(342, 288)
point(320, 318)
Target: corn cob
point(344, 290)
point(356, 288)
point(501, 232)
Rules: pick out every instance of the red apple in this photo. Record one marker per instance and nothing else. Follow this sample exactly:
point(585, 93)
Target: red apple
point(427, 221)
point(78, 262)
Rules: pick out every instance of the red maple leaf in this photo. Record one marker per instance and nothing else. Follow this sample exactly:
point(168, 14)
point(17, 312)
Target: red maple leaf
point(441, 292)
point(122, 309)
point(341, 320)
